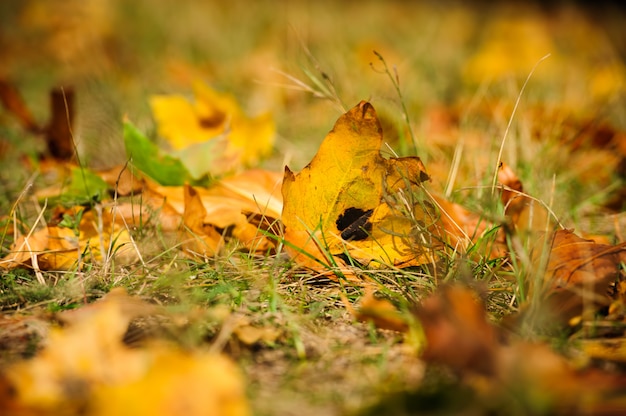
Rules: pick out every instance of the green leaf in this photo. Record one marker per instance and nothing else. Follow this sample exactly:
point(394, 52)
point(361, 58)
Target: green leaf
point(84, 187)
point(147, 157)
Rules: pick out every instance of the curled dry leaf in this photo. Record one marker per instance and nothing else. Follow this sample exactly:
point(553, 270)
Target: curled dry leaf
point(577, 261)
point(524, 214)
point(241, 207)
point(579, 273)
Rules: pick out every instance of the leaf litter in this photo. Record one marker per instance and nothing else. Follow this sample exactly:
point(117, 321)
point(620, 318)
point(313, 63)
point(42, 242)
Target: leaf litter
point(381, 222)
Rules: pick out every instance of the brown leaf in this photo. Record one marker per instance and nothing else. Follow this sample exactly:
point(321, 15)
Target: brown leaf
point(13, 103)
point(460, 227)
point(457, 331)
point(579, 273)
point(59, 130)
point(511, 198)
point(459, 336)
point(577, 261)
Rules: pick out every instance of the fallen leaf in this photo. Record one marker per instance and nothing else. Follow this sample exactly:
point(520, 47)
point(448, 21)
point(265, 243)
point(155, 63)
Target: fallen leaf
point(215, 127)
point(198, 238)
point(381, 312)
point(460, 228)
point(349, 200)
point(177, 382)
point(152, 161)
point(85, 368)
point(457, 331)
point(59, 136)
point(250, 334)
point(579, 273)
point(121, 180)
point(576, 261)
point(244, 207)
point(459, 336)
point(130, 307)
point(92, 236)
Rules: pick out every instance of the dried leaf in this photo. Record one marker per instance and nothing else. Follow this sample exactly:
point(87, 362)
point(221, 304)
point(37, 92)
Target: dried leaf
point(121, 180)
point(199, 238)
point(459, 336)
point(94, 237)
point(86, 369)
point(577, 261)
point(350, 200)
point(457, 331)
point(250, 334)
point(242, 205)
point(215, 127)
point(381, 312)
point(579, 273)
point(59, 130)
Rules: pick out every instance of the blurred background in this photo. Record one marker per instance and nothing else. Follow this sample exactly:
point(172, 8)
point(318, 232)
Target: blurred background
point(460, 67)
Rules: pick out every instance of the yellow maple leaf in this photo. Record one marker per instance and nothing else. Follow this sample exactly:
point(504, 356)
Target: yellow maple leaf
point(351, 200)
point(212, 134)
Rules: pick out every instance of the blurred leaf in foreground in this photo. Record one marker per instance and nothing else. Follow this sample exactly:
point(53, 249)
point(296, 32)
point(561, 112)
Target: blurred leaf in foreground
point(526, 376)
point(86, 369)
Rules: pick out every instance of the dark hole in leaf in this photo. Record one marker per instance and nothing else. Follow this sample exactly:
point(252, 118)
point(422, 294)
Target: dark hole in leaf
point(354, 224)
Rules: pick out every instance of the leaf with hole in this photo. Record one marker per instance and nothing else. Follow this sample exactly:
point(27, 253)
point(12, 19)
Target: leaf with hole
point(352, 202)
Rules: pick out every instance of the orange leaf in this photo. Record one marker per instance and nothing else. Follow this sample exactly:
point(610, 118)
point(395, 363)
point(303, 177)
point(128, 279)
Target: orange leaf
point(576, 261)
point(579, 273)
point(199, 238)
point(381, 312)
point(457, 331)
